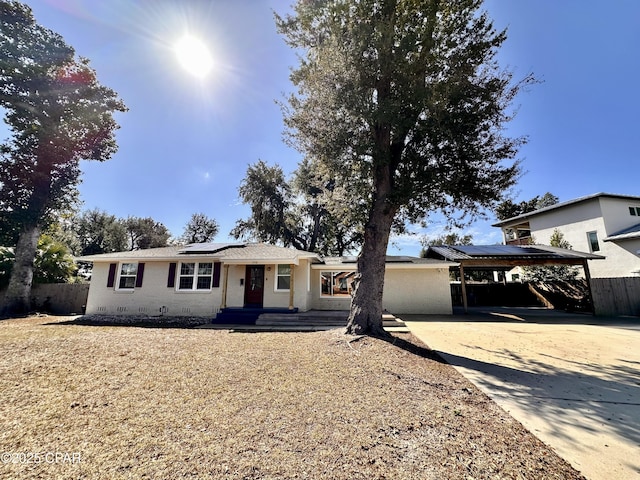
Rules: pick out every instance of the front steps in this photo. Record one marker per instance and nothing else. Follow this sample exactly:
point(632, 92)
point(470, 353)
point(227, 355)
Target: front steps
point(247, 316)
point(283, 320)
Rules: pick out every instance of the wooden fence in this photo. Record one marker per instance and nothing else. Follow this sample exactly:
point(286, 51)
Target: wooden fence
point(616, 296)
point(58, 298)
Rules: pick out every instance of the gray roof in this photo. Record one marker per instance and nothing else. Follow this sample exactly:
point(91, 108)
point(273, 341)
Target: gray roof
point(524, 216)
point(245, 253)
point(228, 252)
point(626, 234)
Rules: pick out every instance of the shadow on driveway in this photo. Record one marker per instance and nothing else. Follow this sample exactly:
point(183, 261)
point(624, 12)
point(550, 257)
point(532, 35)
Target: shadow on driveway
point(571, 379)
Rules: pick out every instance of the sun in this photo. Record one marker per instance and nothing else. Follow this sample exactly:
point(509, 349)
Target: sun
point(194, 56)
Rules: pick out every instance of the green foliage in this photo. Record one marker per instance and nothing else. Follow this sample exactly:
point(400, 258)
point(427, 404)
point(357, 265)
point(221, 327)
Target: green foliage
point(6, 265)
point(509, 209)
point(452, 238)
point(53, 263)
point(200, 229)
point(57, 112)
point(310, 212)
point(552, 272)
point(99, 232)
point(408, 89)
point(405, 102)
point(269, 196)
point(145, 233)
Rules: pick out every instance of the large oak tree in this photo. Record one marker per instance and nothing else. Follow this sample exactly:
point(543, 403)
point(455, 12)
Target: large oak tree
point(58, 114)
point(408, 96)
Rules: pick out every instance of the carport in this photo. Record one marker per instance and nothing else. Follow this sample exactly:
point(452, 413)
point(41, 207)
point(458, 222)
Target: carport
point(505, 257)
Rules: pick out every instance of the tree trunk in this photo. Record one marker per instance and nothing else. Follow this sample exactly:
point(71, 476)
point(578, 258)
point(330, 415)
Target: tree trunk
point(18, 295)
point(365, 317)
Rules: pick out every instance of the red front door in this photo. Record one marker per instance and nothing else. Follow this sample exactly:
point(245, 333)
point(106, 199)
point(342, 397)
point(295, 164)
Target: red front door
point(254, 286)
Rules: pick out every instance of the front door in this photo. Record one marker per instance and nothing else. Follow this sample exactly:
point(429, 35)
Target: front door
point(254, 286)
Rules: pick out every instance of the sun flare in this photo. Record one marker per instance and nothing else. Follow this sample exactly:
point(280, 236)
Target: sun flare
point(194, 56)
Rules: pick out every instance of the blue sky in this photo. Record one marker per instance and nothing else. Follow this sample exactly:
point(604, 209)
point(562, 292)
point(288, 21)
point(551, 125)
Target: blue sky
point(185, 144)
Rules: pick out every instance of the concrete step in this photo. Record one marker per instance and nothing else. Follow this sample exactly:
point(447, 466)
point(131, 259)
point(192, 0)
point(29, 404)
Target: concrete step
point(328, 319)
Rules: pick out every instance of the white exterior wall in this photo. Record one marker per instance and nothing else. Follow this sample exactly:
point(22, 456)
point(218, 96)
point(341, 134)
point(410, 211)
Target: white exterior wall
point(616, 215)
point(235, 291)
point(151, 297)
point(605, 216)
point(155, 298)
point(406, 290)
point(419, 291)
point(274, 298)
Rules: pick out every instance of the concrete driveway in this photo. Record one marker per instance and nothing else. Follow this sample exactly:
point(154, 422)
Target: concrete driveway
point(572, 380)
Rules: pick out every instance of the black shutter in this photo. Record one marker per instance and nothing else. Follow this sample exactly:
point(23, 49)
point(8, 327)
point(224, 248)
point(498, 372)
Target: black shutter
point(216, 275)
point(112, 275)
point(171, 279)
point(139, 275)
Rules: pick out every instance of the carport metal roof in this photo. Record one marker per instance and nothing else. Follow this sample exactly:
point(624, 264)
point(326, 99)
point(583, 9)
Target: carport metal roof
point(509, 255)
point(497, 256)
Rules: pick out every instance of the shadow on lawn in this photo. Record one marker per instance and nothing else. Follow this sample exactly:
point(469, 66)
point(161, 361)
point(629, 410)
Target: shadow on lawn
point(414, 348)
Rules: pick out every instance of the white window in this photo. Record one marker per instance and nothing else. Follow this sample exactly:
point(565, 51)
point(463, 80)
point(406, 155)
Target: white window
point(283, 277)
point(336, 284)
point(128, 273)
point(195, 276)
point(594, 246)
point(634, 211)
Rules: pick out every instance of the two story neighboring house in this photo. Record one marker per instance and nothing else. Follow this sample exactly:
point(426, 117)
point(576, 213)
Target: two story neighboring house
point(603, 223)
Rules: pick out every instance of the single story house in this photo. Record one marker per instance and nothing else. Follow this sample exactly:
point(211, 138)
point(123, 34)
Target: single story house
point(203, 279)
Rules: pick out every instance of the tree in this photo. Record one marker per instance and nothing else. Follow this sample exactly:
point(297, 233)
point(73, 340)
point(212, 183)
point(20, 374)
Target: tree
point(452, 238)
point(58, 114)
point(100, 232)
point(510, 209)
point(552, 272)
point(309, 212)
point(269, 196)
point(53, 262)
point(145, 233)
point(407, 97)
point(200, 229)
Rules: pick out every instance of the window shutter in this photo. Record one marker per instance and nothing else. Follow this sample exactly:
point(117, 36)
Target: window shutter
point(171, 279)
point(111, 279)
point(216, 275)
point(139, 275)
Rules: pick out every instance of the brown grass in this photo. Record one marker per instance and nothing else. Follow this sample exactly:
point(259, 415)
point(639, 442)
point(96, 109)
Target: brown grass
point(184, 403)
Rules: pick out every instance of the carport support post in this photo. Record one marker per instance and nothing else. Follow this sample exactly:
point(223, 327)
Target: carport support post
point(291, 284)
point(463, 286)
point(587, 276)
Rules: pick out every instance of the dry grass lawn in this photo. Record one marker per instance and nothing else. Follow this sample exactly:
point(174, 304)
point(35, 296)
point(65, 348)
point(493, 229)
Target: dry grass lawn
point(188, 403)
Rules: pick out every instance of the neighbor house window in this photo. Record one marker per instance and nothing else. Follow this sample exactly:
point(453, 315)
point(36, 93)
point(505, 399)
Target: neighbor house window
point(283, 277)
point(593, 241)
point(336, 284)
point(128, 273)
point(635, 211)
point(195, 276)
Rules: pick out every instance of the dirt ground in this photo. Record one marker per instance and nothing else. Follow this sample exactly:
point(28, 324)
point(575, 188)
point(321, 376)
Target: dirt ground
point(81, 401)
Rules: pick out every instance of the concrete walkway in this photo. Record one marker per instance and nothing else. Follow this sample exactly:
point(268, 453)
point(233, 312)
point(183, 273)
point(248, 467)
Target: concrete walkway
point(572, 380)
